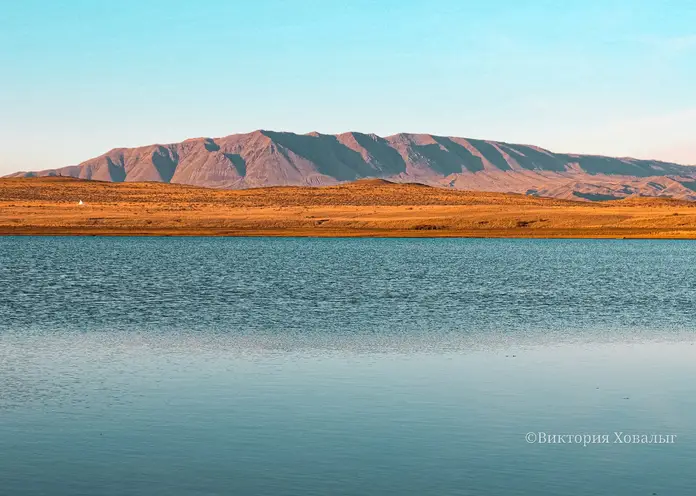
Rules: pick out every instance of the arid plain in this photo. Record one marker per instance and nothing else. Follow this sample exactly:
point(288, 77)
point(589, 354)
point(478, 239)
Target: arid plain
point(51, 206)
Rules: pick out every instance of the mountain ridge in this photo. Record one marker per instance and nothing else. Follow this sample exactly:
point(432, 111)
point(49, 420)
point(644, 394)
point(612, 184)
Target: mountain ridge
point(272, 158)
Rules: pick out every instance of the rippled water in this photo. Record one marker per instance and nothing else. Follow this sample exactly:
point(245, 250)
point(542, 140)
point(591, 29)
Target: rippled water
point(338, 366)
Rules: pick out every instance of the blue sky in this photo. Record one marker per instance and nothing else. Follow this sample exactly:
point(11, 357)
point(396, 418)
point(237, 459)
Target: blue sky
point(78, 78)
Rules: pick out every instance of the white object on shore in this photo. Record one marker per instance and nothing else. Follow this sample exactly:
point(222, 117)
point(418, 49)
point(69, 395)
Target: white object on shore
point(80, 203)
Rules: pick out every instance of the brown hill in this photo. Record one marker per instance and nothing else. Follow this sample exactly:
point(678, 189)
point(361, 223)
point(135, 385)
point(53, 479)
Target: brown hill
point(268, 158)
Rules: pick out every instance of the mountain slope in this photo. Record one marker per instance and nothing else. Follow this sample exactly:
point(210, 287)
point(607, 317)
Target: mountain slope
point(268, 158)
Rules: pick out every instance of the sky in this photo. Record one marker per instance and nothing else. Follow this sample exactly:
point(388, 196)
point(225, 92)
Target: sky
point(613, 77)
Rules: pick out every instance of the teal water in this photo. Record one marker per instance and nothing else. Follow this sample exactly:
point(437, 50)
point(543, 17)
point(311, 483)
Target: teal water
point(207, 366)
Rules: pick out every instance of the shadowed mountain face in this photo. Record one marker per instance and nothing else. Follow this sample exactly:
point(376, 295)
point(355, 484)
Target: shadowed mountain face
point(268, 158)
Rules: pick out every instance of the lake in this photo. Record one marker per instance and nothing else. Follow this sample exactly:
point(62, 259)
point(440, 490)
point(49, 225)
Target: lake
point(293, 366)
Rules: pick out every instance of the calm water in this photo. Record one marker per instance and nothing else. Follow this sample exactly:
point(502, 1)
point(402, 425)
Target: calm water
point(333, 366)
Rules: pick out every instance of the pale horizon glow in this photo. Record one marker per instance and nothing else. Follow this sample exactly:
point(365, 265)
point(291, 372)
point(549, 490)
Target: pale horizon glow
point(593, 77)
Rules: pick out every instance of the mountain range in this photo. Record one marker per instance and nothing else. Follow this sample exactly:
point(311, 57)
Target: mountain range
point(268, 158)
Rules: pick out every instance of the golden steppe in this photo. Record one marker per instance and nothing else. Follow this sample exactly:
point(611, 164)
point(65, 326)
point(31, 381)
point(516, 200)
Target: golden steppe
point(50, 206)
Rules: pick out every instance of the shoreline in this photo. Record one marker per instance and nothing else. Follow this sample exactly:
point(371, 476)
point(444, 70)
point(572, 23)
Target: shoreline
point(300, 233)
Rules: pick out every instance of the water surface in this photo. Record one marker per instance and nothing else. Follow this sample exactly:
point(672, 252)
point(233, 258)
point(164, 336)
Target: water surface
point(344, 366)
